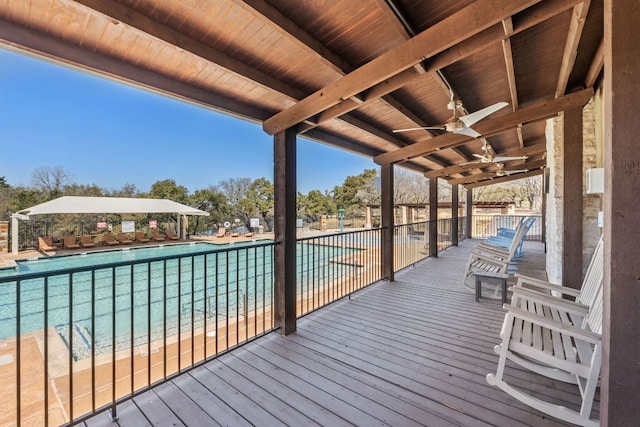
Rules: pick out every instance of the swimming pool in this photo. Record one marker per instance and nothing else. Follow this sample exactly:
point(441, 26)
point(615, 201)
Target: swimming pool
point(141, 294)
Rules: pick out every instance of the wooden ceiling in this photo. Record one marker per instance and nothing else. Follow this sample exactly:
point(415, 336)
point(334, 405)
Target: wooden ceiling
point(346, 73)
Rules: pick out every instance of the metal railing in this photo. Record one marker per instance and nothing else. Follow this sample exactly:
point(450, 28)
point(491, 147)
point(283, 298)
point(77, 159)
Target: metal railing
point(487, 225)
point(98, 335)
point(88, 338)
point(330, 267)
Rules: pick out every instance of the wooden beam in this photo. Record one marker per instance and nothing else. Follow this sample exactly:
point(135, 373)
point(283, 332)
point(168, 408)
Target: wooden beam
point(386, 211)
point(128, 16)
point(503, 179)
point(284, 160)
point(578, 18)
point(491, 126)
point(527, 151)
point(442, 35)
point(621, 316)
point(597, 64)
point(572, 198)
point(433, 217)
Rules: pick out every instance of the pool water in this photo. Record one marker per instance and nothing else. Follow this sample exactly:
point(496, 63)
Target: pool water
point(148, 296)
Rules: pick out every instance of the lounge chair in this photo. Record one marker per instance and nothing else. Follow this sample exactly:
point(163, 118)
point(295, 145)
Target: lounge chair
point(109, 240)
point(86, 241)
point(235, 234)
point(70, 242)
point(249, 234)
point(140, 237)
point(171, 235)
point(221, 232)
point(156, 236)
point(124, 238)
point(45, 243)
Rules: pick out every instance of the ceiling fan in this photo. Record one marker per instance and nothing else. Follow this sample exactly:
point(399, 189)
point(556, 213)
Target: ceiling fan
point(488, 156)
point(460, 124)
point(501, 172)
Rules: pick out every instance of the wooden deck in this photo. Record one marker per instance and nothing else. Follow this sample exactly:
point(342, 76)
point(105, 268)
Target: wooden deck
point(413, 352)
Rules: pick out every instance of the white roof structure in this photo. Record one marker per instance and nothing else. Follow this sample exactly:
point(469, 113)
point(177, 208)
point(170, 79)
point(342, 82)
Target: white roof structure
point(94, 205)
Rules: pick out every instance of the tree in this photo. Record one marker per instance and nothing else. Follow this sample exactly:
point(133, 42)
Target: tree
point(50, 180)
point(209, 200)
point(315, 204)
point(235, 190)
point(168, 189)
point(346, 197)
point(261, 194)
point(531, 190)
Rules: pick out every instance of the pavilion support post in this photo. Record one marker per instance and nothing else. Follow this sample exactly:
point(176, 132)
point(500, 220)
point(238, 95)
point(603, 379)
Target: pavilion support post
point(284, 159)
point(572, 198)
point(454, 214)
point(621, 316)
point(387, 213)
point(433, 217)
point(468, 206)
point(15, 235)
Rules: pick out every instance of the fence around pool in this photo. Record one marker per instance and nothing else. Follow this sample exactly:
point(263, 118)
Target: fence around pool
point(78, 341)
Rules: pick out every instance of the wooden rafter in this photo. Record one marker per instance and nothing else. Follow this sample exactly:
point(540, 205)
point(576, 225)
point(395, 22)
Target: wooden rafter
point(507, 25)
point(471, 20)
point(503, 179)
point(578, 18)
point(144, 24)
point(596, 66)
point(491, 126)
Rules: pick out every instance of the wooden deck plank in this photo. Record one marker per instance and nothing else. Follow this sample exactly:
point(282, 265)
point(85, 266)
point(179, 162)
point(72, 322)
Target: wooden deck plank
point(155, 410)
point(412, 352)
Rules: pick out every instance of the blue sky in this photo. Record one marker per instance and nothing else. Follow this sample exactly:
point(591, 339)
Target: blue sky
point(110, 134)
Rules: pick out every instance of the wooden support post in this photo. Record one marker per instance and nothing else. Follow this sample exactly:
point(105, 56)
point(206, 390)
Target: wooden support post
point(284, 159)
point(387, 212)
point(469, 212)
point(433, 217)
point(572, 198)
point(454, 214)
point(621, 328)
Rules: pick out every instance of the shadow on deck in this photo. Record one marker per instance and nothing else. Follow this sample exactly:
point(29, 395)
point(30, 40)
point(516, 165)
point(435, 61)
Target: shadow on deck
point(412, 352)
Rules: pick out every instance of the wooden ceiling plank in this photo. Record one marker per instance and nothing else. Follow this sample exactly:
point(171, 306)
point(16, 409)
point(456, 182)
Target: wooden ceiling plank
point(527, 151)
point(446, 33)
point(295, 33)
point(504, 179)
point(146, 25)
point(491, 126)
point(596, 66)
point(461, 154)
point(578, 18)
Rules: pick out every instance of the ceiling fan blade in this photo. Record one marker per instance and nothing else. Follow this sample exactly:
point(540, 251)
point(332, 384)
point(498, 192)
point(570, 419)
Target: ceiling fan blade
point(419, 128)
point(472, 118)
point(508, 159)
point(515, 171)
point(468, 131)
point(479, 156)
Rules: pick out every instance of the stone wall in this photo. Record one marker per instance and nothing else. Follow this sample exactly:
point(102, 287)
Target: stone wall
point(592, 157)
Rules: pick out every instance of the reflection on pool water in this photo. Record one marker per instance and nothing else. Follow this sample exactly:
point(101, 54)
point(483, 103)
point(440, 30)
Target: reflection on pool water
point(204, 282)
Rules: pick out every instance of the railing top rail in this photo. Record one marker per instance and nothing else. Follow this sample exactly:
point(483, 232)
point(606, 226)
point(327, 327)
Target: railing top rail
point(64, 271)
point(321, 236)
